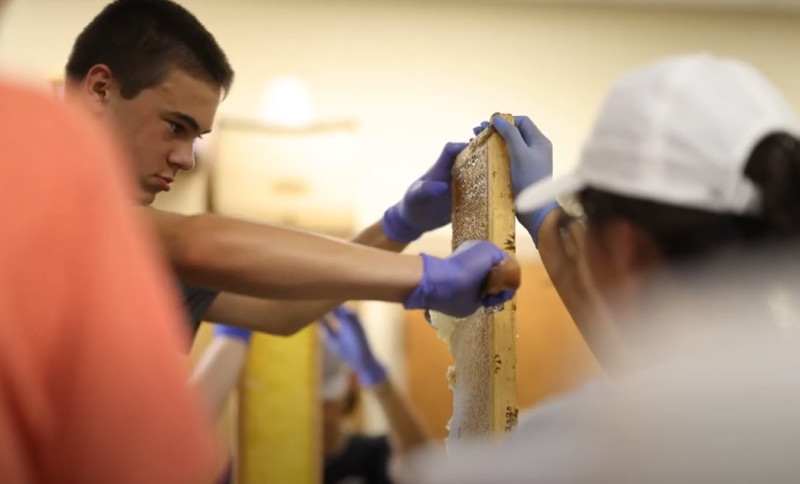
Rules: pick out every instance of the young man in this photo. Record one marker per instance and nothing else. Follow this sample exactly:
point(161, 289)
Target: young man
point(157, 75)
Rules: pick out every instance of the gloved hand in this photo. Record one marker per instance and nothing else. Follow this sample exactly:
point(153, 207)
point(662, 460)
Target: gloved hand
point(454, 285)
point(427, 203)
point(349, 343)
point(531, 161)
point(221, 330)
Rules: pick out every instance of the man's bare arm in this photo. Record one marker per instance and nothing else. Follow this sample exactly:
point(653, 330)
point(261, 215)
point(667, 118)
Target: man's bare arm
point(425, 206)
point(266, 261)
point(281, 317)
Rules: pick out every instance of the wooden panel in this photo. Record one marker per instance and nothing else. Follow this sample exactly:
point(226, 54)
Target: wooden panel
point(280, 421)
point(482, 344)
point(551, 355)
point(500, 201)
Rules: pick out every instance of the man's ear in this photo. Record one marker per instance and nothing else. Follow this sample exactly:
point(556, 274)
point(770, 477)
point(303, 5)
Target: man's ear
point(634, 252)
point(98, 87)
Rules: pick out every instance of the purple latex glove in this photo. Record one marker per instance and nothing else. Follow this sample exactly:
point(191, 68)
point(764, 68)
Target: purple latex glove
point(531, 161)
point(454, 285)
point(427, 203)
point(349, 343)
point(221, 330)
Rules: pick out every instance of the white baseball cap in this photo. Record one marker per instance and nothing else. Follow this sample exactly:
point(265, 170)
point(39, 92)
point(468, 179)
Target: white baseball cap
point(678, 131)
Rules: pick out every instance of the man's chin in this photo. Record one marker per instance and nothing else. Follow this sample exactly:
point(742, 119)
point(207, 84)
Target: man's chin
point(147, 198)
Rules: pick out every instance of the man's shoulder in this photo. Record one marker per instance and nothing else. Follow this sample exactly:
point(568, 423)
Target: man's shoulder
point(568, 408)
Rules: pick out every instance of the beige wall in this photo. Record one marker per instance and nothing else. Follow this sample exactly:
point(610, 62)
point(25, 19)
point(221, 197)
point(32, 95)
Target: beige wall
point(415, 74)
point(428, 71)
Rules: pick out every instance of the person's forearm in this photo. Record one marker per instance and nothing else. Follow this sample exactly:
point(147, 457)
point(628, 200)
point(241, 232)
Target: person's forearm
point(406, 431)
point(272, 262)
point(276, 317)
point(374, 236)
point(218, 370)
point(281, 317)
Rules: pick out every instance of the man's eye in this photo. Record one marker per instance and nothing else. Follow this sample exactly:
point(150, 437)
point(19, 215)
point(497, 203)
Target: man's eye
point(176, 128)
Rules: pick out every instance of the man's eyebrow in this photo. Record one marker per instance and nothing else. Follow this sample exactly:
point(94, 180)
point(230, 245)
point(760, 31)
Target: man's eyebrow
point(188, 120)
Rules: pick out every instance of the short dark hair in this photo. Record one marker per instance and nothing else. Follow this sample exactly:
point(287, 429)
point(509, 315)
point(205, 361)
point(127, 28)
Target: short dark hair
point(682, 234)
point(142, 40)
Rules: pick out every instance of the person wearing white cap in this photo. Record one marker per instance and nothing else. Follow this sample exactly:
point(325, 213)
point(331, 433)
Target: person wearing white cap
point(690, 187)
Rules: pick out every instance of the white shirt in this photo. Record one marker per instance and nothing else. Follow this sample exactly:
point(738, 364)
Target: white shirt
point(728, 415)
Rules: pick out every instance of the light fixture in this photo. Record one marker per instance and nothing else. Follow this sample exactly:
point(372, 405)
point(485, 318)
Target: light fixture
point(286, 101)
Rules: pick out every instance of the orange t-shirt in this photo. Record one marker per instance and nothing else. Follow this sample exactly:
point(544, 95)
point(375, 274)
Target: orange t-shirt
point(93, 376)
